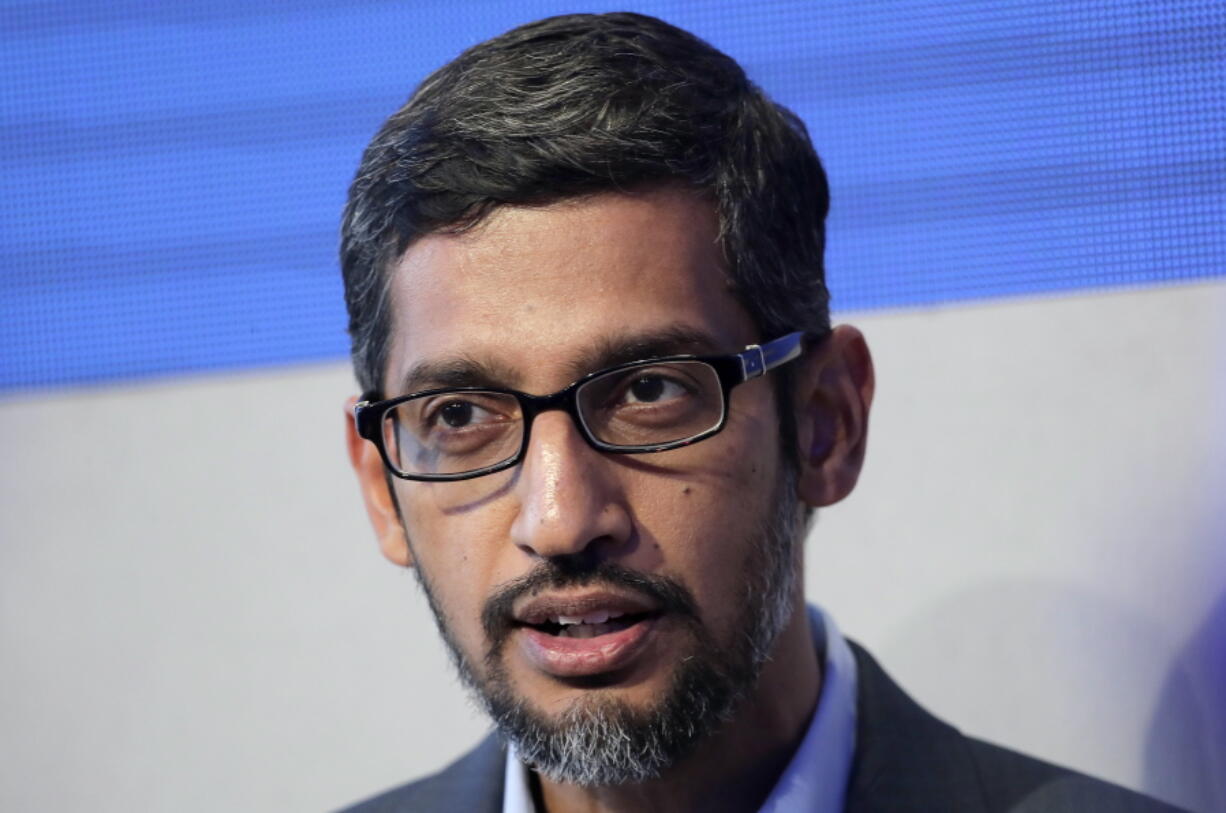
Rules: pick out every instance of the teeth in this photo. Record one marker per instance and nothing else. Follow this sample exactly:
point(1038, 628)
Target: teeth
point(595, 617)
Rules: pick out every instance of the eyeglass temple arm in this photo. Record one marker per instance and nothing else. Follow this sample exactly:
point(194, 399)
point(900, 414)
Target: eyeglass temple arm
point(361, 416)
point(758, 359)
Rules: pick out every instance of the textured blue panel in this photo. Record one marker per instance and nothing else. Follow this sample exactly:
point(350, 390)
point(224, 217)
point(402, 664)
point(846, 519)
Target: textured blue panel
point(171, 174)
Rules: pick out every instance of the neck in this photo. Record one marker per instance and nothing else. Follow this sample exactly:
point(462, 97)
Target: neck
point(737, 766)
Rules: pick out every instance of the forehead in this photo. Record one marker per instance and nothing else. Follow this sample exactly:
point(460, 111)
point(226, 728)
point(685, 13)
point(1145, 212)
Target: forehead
point(533, 289)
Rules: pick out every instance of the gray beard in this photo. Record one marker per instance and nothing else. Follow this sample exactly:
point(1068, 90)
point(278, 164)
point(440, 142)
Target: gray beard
point(599, 740)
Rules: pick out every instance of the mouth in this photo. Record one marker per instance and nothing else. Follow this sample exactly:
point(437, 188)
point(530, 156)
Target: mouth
point(591, 625)
point(585, 635)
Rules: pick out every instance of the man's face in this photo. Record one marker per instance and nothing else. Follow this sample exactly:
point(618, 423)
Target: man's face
point(670, 546)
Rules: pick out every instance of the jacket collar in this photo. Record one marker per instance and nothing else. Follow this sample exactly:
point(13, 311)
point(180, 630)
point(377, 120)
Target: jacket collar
point(906, 759)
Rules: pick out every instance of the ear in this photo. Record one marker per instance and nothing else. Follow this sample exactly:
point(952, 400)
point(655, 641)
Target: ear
point(833, 395)
point(380, 507)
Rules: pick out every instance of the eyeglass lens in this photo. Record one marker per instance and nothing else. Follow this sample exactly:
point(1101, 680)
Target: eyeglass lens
point(641, 406)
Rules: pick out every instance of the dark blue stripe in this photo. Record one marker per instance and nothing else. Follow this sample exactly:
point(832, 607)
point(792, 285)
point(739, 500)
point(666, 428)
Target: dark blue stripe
point(171, 174)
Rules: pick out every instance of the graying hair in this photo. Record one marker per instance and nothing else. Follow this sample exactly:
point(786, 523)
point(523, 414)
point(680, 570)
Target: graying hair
point(577, 105)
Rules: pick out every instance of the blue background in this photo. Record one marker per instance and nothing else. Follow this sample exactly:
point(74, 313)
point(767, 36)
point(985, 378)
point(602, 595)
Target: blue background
point(172, 175)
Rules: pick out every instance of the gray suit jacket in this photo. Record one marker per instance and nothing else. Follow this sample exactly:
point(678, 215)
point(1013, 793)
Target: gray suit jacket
point(906, 760)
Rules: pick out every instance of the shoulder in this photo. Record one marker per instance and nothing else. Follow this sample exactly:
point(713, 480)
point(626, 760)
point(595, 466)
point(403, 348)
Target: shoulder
point(1021, 784)
point(908, 760)
point(471, 783)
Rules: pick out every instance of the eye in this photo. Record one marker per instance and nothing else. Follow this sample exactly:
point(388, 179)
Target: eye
point(457, 414)
point(651, 389)
point(453, 431)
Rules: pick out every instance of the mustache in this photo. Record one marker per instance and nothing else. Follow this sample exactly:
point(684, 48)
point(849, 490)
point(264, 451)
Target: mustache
point(669, 594)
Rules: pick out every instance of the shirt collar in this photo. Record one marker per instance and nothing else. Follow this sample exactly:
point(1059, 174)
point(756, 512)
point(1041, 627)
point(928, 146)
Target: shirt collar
point(815, 780)
point(516, 796)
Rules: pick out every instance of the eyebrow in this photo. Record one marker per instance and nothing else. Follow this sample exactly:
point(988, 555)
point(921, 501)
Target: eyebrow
point(676, 340)
point(468, 371)
point(458, 371)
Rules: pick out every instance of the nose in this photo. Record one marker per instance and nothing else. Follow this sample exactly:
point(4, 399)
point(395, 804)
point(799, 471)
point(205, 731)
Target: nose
point(570, 500)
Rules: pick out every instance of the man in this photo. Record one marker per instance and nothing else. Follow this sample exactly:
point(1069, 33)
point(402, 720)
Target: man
point(583, 266)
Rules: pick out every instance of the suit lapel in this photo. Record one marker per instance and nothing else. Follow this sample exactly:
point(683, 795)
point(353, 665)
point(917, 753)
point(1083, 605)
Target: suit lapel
point(906, 759)
point(472, 784)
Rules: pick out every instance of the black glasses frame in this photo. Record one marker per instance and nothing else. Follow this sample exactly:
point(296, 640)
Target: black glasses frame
point(736, 368)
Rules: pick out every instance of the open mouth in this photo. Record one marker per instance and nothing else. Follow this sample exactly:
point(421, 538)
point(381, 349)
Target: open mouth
point(583, 636)
point(590, 625)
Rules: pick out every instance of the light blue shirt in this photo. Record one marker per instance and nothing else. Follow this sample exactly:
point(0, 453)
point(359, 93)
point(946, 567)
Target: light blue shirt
point(815, 780)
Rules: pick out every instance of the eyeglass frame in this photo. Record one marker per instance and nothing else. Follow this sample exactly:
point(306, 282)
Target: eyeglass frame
point(731, 369)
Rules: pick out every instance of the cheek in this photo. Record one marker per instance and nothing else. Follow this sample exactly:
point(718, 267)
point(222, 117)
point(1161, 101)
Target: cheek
point(458, 552)
point(702, 527)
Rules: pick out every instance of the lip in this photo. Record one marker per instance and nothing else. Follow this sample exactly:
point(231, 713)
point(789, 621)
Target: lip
point(540, 608)
point(565, 657)
point(584, 657)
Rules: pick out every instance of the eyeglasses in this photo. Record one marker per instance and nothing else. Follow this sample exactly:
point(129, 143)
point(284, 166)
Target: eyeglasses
point(652, 405)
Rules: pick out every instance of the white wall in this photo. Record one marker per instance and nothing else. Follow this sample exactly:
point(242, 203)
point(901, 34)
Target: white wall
point(1037, 549)
point(193, 616)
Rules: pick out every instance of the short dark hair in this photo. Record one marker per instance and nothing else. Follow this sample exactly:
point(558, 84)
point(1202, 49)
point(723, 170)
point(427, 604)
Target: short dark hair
point(581, 104)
